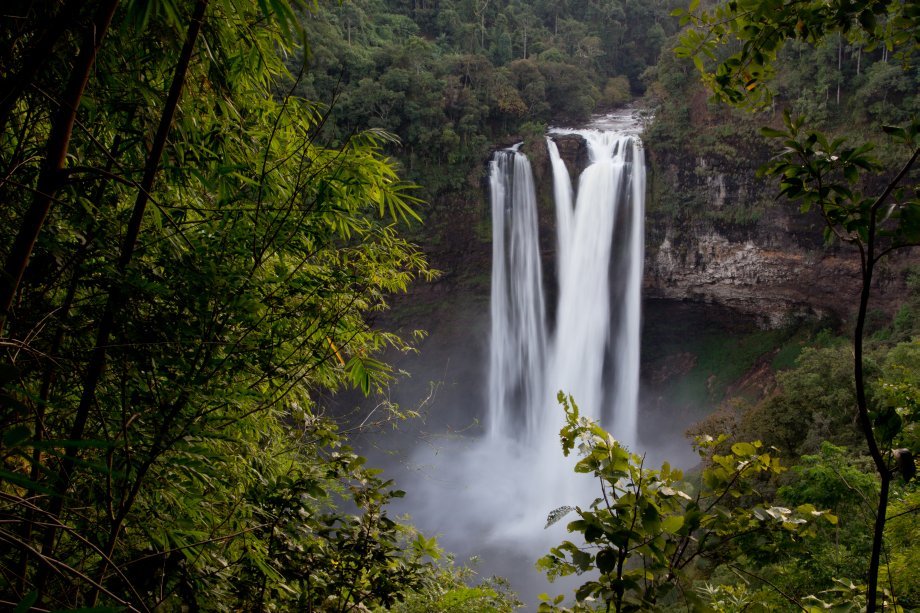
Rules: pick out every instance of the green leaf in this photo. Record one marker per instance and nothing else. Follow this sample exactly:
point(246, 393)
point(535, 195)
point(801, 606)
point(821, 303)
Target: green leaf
point(359, 375)
point(672, 524)
point(851, 173)
point(585, 590)
point(888, 424)
point(24, 482)
point(895, 131)
point(582, 560)
point(743, 449)
point(26, 603)
point(606, 560)
point(773, 133)
point(651, 519)
point(867, 19)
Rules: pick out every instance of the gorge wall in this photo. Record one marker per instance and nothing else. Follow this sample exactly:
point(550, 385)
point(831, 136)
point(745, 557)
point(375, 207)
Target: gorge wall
point(716, 234)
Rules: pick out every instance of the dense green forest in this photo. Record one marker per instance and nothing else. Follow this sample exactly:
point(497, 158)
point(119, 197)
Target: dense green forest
point(453, 78)
point(206, 203)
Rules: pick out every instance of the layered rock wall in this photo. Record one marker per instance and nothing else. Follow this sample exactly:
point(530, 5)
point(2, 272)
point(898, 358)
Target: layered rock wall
point(715, 234)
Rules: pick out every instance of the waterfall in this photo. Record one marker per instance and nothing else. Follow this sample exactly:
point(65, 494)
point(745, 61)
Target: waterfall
point(626, 399)
point(562, 192)
point(518, 346)
point(593, 353)
point(491, 495)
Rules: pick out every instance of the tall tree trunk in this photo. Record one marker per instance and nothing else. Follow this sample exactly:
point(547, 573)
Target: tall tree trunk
point(865, 424)
point(117, 295)
point(869, 260)
point(49, 180)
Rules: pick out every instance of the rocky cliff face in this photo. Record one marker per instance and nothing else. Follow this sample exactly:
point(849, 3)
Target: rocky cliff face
point(715, 234)
point(774, 282)
point(749, 251)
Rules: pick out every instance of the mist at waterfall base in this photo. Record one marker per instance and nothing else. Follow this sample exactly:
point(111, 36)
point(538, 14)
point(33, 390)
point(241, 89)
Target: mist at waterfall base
point(486, 487)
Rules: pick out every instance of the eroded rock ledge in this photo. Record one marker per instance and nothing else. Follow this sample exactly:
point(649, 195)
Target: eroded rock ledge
point(747, 251)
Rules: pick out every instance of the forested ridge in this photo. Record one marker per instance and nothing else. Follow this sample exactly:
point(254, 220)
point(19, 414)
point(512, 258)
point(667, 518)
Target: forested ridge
point(206, 204)
point(453, 78)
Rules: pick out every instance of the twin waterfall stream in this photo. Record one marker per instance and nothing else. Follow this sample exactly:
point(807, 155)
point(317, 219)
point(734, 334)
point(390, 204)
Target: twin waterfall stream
point(489, 496)
point(591, 350)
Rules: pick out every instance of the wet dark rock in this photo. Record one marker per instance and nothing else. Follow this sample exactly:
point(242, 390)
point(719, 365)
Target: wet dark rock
point(716, 234)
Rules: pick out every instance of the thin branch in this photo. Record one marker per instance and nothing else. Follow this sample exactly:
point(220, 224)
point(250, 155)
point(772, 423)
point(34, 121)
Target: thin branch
point(902, 513)
point(892, 249)
point(890, 188)
point(778, 590)
point(60, 567)
point(217, 539)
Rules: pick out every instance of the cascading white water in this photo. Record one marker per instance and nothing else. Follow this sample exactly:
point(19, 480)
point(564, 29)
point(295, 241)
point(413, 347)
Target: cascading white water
point(491, 495)
point(626, 400)
point(518, 347)
point(594, 352)
point(562, 192)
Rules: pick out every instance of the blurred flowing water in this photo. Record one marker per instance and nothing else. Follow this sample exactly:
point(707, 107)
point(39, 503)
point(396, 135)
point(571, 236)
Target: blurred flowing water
point(491, 494)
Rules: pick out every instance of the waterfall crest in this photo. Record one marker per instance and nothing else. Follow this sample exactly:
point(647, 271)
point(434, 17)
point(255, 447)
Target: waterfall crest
point(593, 353)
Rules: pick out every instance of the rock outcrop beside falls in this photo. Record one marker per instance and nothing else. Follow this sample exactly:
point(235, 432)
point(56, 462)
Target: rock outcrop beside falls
point(748, 251)
point(775, 283)
point(715, 234)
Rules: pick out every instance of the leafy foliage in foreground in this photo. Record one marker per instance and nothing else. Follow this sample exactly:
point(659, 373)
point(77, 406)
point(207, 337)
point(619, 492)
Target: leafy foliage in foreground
point(188, 271)
point(847, 81)
point(649, 531)
point(764, 27)
point(830, 468)
point(822, 173)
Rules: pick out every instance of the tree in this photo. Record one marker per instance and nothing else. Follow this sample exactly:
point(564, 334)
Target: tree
point(200, 270)
point(823, 173)
point(648, 528)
